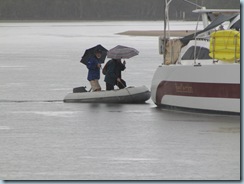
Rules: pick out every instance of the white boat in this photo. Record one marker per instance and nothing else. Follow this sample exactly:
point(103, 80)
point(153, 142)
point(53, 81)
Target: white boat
point(192, 80)
point(129, 95)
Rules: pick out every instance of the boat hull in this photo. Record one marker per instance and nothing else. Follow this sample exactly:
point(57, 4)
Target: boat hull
point(127, 95)
point(213, 87)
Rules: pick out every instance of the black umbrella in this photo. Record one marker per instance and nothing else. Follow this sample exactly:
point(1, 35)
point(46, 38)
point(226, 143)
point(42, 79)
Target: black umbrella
point(91, 52)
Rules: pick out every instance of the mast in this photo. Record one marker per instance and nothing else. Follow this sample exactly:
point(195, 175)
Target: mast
point(166, 19)
point(165, 26)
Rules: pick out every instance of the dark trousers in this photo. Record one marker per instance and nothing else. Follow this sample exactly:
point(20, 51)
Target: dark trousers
point(121, 85)
point(109, 86)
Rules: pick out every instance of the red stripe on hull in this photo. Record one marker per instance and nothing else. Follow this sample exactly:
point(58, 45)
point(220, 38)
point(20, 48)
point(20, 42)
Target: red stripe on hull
point(211, 90)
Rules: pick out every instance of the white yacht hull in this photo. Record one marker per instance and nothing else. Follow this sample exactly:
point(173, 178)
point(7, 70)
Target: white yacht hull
point(214, 87)
point(127, 95)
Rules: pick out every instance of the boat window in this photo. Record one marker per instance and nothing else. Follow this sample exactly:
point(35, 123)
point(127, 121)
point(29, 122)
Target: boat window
point(201, 53)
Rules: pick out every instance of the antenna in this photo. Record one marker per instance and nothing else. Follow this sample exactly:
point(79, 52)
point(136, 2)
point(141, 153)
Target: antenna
point(204, 15)
point(193, 3)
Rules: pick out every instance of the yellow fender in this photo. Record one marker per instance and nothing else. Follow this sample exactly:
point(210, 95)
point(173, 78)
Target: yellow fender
point(225, 45)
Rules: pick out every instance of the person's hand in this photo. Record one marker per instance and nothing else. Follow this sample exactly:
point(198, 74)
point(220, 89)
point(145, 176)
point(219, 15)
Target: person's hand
point(124, 62)
point(99, 65)
point(118, 79)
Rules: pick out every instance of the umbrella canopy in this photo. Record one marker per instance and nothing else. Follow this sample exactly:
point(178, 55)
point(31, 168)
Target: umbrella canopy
point(91, 52)
point(122, 52)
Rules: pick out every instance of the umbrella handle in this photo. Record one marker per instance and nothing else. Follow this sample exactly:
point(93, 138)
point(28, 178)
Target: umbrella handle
point(125, 88)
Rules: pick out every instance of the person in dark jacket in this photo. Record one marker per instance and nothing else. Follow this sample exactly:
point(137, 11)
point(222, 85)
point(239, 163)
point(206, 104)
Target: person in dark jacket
point(94, 66)
point(113, 74)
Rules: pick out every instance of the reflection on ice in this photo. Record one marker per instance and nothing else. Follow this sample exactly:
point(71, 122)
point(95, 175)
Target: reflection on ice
point(63, 114)
point(9, 66)
point(4, 128)
point(133, 159)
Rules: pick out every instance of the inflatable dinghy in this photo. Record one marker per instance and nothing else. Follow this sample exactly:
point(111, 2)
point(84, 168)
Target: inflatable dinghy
point(129, 95)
